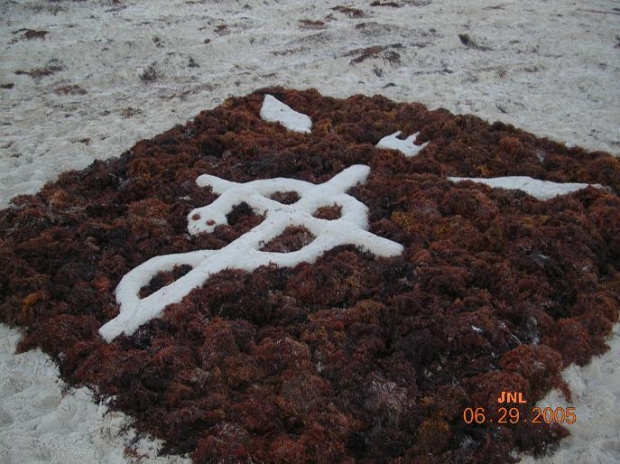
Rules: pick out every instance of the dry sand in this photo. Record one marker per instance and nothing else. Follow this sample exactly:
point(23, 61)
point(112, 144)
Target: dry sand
point(85, 80)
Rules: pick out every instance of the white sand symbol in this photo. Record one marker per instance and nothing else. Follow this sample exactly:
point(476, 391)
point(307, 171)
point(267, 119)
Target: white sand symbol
point(244, 253)
point(405, 146)
point(273, 110)
point(540, 189)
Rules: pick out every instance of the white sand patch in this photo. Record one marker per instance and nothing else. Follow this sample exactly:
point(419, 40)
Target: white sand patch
point(406, 146)
point(548, 67)
point(274, 110)
point(595, 392)
point(40, 423)
point(541, 189)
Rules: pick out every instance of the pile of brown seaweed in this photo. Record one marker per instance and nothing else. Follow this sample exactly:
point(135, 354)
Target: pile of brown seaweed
point(353, 358)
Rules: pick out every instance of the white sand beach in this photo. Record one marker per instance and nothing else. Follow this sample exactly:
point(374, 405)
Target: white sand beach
point(85, 80)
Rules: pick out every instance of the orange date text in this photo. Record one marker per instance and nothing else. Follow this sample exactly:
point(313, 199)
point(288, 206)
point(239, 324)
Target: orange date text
point(513, 416)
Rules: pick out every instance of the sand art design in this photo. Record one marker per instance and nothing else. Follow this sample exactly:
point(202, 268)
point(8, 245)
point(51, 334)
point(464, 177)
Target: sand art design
point(244, 253)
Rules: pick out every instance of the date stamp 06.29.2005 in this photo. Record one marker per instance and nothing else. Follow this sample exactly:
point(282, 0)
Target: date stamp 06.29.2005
point(512, 409)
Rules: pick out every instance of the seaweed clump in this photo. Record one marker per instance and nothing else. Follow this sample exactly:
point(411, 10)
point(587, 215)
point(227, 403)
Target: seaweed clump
point(351, 358)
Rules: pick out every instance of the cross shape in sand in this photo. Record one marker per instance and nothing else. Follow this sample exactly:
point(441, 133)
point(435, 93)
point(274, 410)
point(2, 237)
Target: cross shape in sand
point(245, 252)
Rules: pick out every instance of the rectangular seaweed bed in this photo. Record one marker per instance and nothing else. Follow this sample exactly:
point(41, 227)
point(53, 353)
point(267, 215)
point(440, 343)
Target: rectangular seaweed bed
point(355, 358)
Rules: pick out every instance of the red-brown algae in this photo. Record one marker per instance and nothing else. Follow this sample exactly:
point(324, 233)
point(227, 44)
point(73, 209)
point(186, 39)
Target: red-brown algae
point(354, 357)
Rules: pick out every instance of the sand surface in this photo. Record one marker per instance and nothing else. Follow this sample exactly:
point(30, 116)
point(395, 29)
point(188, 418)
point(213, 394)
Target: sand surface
point(85, 80)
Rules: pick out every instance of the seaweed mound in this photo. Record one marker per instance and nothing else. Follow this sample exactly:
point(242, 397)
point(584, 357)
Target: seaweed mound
point(355, 358)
